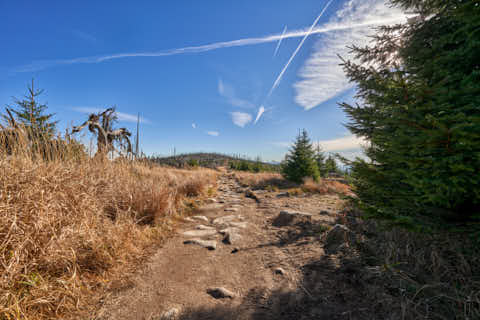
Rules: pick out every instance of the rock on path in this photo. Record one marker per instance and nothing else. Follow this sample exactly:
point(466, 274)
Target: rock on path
point(200, 233)
point(220, 293)
point(209, 244)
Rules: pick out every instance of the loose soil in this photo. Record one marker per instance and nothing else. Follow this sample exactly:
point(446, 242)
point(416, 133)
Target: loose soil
point(274, 272)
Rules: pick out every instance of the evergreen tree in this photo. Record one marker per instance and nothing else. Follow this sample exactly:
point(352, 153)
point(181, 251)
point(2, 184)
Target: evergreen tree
point(419, 92)
point(300, 161)
point(31, 114)
point(320, 159)
point(331, 165)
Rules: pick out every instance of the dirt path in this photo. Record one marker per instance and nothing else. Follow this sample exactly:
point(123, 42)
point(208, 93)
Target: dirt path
point(265, 267)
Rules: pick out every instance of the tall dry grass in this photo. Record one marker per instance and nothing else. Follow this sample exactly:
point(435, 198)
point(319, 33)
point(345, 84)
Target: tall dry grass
point(420, 276)
point(268, 180)
point(72, 227)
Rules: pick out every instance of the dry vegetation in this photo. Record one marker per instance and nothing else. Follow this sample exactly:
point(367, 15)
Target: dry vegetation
point(275, 181)
point(424, 276)
point(72, 228)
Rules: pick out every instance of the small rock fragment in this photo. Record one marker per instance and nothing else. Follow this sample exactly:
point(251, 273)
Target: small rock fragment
point(231, 209)
point(283, 194)
point(241, 225)
point(224, 219)
point(211, 200)
point(170, 314)
point(250, 194)
point(220, 293)
point(202, 227)
point(231, 235)
point(200, 233)
point(203, 218)
point(337, 238)
point(209, 244)
point(290, 217)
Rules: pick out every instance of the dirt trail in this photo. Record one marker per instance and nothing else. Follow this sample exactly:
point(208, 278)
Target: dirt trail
point(264, 266)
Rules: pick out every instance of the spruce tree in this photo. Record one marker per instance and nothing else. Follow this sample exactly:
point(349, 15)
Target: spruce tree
point(331, 165)
point(300, 161)
point(419, 108)
point(320, 159)
point(31, 114)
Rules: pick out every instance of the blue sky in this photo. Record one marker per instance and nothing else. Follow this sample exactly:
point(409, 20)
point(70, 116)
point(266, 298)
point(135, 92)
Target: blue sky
point(204, 75)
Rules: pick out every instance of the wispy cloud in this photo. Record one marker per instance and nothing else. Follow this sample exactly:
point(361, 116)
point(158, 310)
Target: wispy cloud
point(84, 36)
point(213, 133)
point(343, 144)
point(347, 143)
point(228, 92)
point(194, 126)
point(279, 78)
point(280, 41)
point(321, 76)
point(261, 110)
point(122, 116)
point(349, 146)
point(241, 119)
point(43, 64)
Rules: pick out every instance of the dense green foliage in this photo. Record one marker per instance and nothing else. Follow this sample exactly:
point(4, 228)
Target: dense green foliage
point(301, 161)
point(419, 92)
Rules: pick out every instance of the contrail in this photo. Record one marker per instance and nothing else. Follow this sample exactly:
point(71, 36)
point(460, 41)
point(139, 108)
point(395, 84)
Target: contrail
point(43, 64)
point(280, 41)
point(279, 78)
point(261, 110)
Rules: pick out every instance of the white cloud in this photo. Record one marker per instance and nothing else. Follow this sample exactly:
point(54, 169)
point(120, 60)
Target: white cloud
point(43, 64)
point(349, 147)
point(346, 143)
point(279, 78)
point(122, 116)
point(194, 126)
point(241, 118)
point(321, 76)
point(228, 92)
point(213, 133)
point(261, 110)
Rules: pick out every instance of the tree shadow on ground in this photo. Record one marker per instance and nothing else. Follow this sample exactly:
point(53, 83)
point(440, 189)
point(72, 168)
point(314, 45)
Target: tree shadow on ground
point(337, 286)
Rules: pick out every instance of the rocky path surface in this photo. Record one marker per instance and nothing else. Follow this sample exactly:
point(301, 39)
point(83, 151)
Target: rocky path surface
point(245, 255)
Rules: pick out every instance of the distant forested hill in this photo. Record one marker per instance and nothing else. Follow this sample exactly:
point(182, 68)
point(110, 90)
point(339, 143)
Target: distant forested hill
point(213, 160)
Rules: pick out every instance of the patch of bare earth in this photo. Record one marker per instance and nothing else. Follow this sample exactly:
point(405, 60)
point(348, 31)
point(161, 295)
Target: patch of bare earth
point(262, 267)
point(271, 255)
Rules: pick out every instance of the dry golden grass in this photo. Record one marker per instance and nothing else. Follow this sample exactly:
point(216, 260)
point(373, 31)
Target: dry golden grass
point(71, 228)
point(432, 276)
point(325, 186)
point(274, 181)
point(261, 180)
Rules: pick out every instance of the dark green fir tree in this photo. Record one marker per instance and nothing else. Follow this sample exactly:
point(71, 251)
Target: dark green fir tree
point(419, 109)
point(300, 162)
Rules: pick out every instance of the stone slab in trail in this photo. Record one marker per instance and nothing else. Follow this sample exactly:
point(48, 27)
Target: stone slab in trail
point(257, 264)
point(225, 219)
point(200, 233)
point(201, 218)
